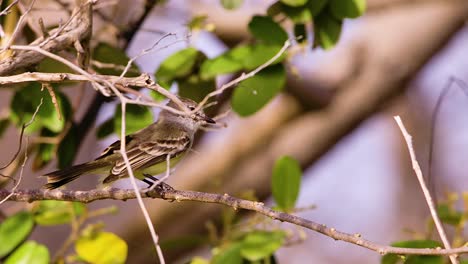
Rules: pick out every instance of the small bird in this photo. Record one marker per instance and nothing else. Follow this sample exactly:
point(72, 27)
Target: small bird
point(147, 149)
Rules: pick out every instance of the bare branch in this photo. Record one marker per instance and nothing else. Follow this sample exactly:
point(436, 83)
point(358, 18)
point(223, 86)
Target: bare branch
point(164, 191)
point(427, 194)
point(18, 27)
point(77, 28)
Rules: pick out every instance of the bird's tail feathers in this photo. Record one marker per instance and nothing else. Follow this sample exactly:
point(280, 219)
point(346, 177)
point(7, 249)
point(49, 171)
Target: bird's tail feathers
point(58, 178)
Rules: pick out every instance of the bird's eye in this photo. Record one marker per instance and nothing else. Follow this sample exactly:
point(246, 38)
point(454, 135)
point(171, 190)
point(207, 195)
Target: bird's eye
point(191, 108)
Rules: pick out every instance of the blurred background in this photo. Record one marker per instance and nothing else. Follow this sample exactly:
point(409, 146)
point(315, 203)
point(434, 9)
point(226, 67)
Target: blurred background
point(335, 117)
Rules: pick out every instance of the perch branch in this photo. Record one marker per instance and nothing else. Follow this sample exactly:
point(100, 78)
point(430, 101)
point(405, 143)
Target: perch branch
point(164, 191)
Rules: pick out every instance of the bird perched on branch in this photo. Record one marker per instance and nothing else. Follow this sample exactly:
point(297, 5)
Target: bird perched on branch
point(147, 149)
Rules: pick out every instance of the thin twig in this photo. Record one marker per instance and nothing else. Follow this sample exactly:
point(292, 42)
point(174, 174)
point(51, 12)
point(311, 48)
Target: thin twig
point(18, 27)
point(53, 97)
point(123, 152)
point(20, 174)
point(167, 193)
point(21, 135)
point(243, 77)
point(7, 9)
point(425, 190)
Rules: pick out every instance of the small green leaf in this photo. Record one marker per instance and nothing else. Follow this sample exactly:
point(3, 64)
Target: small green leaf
point(51, 212)
point(195, 88)
point(347, 9)
point(14, 229)
point(300, 14)
point(228, 62)
point(267, 30)
point(136, 118)
point(232, 4)
point(198, 260)
point(260, 54)
point(179, 64)
point(327, 31)
point(449, 215)
point(300, 32)
point(68, 148)
point(108, 54)
point(414, 259)
point(390, 259)
point(228, 255)
point(316, 6)
point(417, 244)
point(102, 248)
point(30, 253)
point(26, 100)
point(53, 66)
point(105, 129)
point(4, 124)
point(254, 93)
point(45, 152)
point(275, 9)
point(286, 182)
point(259, 245)
point(197, 23)
point(294, 2)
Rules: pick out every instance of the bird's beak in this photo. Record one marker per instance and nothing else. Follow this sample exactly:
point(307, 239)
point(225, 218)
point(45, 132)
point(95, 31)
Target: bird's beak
point(209, 120)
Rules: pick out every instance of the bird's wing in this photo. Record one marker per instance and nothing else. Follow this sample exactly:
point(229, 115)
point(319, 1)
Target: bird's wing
point(147, 154)
point(114, 147)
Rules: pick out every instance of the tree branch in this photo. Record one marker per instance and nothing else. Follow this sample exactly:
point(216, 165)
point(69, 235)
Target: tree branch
point(166, 192)
point(77, 28)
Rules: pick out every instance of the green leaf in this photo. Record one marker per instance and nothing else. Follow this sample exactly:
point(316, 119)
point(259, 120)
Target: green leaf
point(51, 212)
point(260, 54)
point(179, 64)
point(136, 118)
point(327, 31)
point(228, 255)
point(259, 245)
point(228, 62)
point(348, 8)
point(449, 215)
point(30, 253)
point(14, 229)
point(417, 244)
point(106, 53)
point(268, 31)
point(294, 2)
point(4, 124)
point(105, 129)
point(195, 88)
point(231, 4)
point(390, 259)
point(414, 259)
point(53, 66)
point(102, 248)
point(68, 148)
point(275, 9)
point(45, 152)
point(300, 32)
point(300, 14)
point(316, 6)
point(254, 93)
point(286, 182)
point(198, 260)
point(26, 100)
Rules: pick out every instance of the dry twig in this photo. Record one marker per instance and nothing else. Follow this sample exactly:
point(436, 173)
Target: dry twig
point(166, 192)
point(425, 190)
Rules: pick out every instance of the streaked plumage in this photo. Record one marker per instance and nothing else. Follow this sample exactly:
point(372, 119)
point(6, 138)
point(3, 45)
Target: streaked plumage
point(146, 149)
